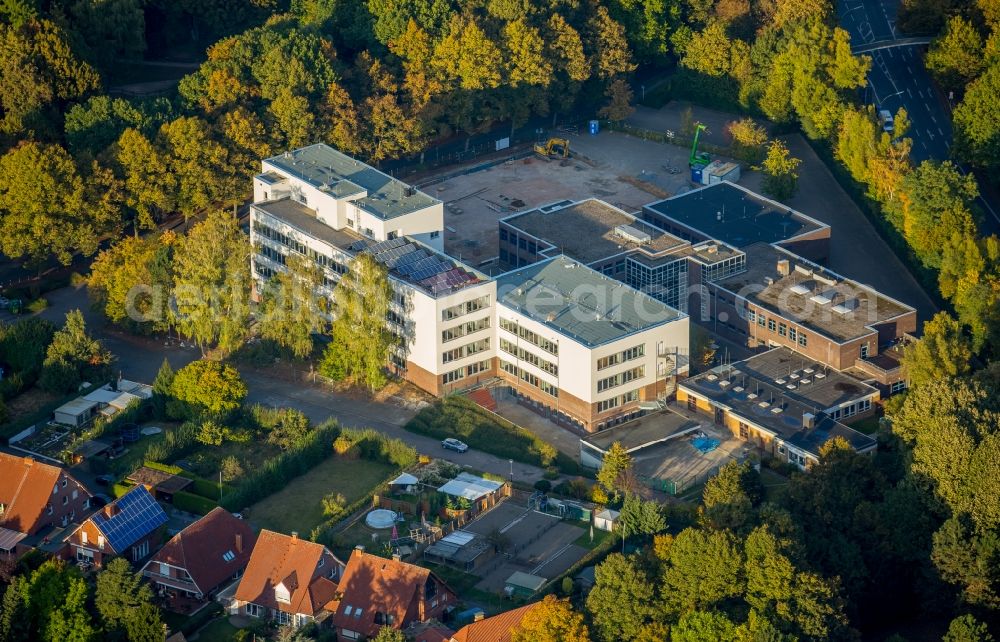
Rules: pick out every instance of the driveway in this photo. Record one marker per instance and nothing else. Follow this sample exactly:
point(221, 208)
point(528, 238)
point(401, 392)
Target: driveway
point(320, 403)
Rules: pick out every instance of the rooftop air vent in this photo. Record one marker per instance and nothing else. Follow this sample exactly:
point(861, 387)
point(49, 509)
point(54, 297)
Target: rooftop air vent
point(764, 404)
point(632, 234)
point(724, 383)
point(800, 289)
point(776, 410)
point(820, 375)
point(822, 298)
point(751, 395)
point(794, 375)
point(805, 381)
point(711, 377)
point(790, 386)
point(780, 382)
point(808, 371)
point(738, 389)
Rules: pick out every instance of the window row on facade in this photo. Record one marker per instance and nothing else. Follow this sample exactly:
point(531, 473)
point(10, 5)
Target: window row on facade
point(531, 337)
point(622, 357)
point(621, 378)
point(529, 378)
point(529, 357)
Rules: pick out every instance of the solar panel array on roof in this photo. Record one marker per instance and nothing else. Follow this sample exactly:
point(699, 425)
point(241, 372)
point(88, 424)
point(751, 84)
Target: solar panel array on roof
point(137, 515)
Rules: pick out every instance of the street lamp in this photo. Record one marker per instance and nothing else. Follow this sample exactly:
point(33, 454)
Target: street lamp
point(511, 470)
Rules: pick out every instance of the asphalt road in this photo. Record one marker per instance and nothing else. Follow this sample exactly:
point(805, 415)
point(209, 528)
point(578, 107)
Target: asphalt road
point(898, 78)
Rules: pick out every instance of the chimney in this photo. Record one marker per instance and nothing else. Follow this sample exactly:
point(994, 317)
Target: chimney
point(295, 535)
point(359, 549)
point(783, 267)
point(396, 557)
point(110, 510)
point(478, 616)
point(808, 420)
point(239, 542)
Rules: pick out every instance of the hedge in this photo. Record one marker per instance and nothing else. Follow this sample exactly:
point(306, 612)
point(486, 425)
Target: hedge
point(193, 503)
point(458, 417)
point(120, 489)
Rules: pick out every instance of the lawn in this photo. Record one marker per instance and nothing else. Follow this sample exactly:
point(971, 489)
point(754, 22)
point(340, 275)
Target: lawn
point(774, 484)
point(217, 631)
point(297, 507)
point(868, 425)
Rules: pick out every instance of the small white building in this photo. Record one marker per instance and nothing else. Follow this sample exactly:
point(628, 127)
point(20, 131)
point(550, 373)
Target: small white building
point(606, 519)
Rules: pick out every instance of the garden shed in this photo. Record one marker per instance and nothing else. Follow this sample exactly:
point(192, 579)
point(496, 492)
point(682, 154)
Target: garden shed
point(76, 413)
point(523, 584)
point(606, 519)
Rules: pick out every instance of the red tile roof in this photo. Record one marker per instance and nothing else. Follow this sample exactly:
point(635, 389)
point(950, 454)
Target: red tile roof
point(295, 562)
point(25, 488)
point(378, 585)
point(203, 547)
point(493, 629)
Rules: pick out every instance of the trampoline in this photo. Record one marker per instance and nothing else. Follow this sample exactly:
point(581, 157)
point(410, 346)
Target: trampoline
point(381, 518)
point(705, 444)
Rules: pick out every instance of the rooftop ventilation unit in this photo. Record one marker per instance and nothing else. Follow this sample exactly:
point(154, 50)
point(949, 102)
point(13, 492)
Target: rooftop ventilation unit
point(822, 299)
point(738, 389)
point(633, 234)
point(764, 404)
point(410, 190)
point(846, 307)
point(790, 386)
point(711, 377)
point(800, 289)
point(776, 410)
point(780, 382)
point(803, 270)
point(751, 395)
point(820, 375)
point(805, 381)
point(724, 383)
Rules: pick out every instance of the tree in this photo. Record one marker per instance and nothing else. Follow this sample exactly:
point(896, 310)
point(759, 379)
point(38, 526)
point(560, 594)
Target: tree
point(977, 121)
point(968, 560)
point(131, 281)
point(13, 611)
point(624, 599)
point(615, 473)
point(780, 177)
point(527, 64)
point(209, 388)
point(955, 58)
point(38, 70)
point(212, 283)
point(162, 389)
point(704, 568)
point(93, 126)
point(730, 496)
point(703, 626)
point(749, 139)
point(966, 628)
point(111, 29)
point(641, 517)
point(389, 634)
point(291, 427)
point(612, 56)
point(466, 57)
point(361, 343)
point(551, 620)
point(943, 351)
point(231, 469)
point(292, 309)
point(566, 46)
point(71, 622)
point(145, 624)
point(199, 164)
point(619, 105)
point(48, 208)
point(934, 203)
point(119, 593)
point(149, 185)
point(73, 357)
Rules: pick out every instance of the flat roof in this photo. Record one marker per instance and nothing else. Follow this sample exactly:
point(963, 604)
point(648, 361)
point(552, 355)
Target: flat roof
point(775, 389)
point(408, 260)
point(338, 174)
point(735, 215)
point(470, 487)
point(587, 230)
point(645, 431)
point(810, 295)
point(579, 302)
point(76, 406)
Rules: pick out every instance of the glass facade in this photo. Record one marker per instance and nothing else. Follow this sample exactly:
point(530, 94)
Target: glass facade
point(666, 283)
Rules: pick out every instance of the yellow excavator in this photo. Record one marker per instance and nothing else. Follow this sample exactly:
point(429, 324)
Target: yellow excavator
point(554, 148)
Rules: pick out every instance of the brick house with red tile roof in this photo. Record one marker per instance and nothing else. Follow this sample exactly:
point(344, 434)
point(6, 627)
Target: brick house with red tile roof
point(493, 629)
point(131, 527)
point(34, 497)
point(376, 592)
point(203, 557)
point(288, 580)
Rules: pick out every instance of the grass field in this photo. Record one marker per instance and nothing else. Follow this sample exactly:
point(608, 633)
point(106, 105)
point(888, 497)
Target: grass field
point(297, 507)
point(218, 631)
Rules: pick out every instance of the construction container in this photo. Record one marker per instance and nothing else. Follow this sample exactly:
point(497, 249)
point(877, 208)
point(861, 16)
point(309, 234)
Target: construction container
point(697, 171)
point(594, 127)
point(723, 172)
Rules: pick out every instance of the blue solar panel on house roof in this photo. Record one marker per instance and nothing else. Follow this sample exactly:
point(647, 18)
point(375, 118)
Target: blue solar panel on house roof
point(136, 515)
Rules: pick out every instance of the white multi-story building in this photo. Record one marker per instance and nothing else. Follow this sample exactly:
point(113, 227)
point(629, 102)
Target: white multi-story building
point(583, 346)
point(345, 193)
point(591, 356)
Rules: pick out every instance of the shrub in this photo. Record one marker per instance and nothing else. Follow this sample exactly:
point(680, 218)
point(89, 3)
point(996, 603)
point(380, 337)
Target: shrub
point(37, 305)
point(120, 489)
point(543, 485)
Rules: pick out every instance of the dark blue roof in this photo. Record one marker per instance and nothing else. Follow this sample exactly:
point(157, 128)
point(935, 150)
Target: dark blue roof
point(137, 515)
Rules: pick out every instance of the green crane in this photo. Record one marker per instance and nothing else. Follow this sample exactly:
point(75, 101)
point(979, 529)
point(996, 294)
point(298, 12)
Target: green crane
point(697, 158)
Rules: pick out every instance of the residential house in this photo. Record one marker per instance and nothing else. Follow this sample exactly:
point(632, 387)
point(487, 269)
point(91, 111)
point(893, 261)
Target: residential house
point(288, 580)
point(130, 527)
point(376, 592)
point(35, 498)
point(202, 558)
point(493, 629)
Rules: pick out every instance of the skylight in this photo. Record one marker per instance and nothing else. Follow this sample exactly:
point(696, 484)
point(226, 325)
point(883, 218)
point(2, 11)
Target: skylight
point(229, 556)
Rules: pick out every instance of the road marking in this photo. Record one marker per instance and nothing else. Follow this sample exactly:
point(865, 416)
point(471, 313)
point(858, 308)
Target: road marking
point(940, 131)
point(909, 93)
point(931, 134)
point(934, 119)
